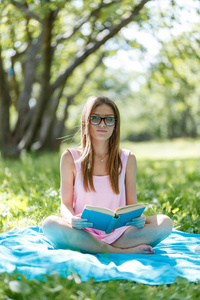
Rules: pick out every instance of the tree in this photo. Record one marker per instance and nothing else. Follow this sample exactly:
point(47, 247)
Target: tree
point(175, 77)
point(43, 45)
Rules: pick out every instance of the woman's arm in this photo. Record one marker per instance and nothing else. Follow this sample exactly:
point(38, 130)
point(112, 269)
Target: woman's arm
point(131, 194)
point(67, 174)
point(130, 180)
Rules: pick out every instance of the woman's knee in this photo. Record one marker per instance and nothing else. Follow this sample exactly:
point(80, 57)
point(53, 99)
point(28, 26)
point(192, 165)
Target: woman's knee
point(49, 221)
point(166, 224)
point(162, 224)
point(50, 224)
point(57, 231)
point(46, 223)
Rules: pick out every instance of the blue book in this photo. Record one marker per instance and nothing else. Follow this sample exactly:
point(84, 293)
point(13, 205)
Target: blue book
point(107, 220)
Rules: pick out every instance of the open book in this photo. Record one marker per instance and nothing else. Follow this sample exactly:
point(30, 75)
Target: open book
point(105, 219)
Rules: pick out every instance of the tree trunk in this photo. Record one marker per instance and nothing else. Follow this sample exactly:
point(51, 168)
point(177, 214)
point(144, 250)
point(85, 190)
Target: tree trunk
point(47, 122)
point(45, 95)
point(5, 102)
point(24, 111)
point(58, 127)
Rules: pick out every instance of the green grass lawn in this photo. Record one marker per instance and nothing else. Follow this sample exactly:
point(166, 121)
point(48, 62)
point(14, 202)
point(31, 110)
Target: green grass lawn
point(167, 181)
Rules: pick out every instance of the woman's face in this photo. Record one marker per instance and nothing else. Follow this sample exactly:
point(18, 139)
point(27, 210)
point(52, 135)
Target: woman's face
point(102, 131)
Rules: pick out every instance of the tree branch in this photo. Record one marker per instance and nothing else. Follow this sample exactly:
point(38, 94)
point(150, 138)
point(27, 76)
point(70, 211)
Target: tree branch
point(71, 97)
point(79, 89)
point(101, 39)
point(26, 10)
point(82, 21)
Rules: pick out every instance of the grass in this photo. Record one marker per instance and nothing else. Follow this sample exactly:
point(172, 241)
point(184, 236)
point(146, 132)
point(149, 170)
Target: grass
point(29, 191)
point(170, 149)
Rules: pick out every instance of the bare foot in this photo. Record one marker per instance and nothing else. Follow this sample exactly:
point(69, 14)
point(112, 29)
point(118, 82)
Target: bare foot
point(141, 249)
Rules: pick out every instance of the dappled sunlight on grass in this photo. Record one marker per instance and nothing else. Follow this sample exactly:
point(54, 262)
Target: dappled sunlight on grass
point(172, 188)
point(29, 189)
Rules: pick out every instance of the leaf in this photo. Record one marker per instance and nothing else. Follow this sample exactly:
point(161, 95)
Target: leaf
point(76, 278)
point(175, 210)
point(19, 287)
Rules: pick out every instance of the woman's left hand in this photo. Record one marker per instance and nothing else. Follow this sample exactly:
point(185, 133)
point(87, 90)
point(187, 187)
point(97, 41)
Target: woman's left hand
point(137, 222)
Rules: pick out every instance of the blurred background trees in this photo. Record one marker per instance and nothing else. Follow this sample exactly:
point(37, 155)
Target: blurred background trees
point(54, 54)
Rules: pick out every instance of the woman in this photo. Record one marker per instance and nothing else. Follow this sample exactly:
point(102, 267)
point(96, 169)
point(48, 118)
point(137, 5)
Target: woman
point(100, 174)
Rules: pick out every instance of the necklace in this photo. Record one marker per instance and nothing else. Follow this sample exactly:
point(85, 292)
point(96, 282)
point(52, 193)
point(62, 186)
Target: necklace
point(101, 158)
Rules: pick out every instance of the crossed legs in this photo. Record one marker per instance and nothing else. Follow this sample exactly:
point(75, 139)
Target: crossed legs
point(133, 240)
point(156, 229)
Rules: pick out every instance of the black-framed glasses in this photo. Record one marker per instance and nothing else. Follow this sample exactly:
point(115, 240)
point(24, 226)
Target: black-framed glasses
point(96, 120)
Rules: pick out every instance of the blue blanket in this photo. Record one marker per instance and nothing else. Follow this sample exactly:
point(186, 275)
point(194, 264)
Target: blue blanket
point(29, 252)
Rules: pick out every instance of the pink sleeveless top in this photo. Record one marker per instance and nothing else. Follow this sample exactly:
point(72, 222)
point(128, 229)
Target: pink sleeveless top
point(103, 196)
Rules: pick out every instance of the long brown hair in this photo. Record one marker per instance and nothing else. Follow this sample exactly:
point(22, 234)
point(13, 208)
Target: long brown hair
point(114, 164)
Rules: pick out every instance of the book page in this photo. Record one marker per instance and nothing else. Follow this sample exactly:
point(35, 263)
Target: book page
point(103, 210)
point(128, 208)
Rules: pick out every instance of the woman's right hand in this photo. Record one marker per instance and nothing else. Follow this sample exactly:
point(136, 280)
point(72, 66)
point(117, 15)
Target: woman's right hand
point(79, 223)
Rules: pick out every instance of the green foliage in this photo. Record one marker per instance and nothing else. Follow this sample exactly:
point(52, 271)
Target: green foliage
point(160, 102)
point(55, 288)
point(30, 192)
point(175, 78)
